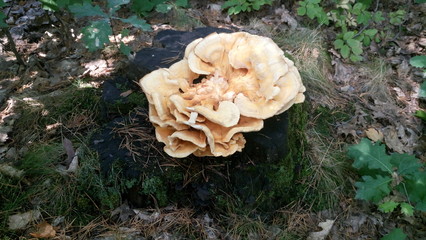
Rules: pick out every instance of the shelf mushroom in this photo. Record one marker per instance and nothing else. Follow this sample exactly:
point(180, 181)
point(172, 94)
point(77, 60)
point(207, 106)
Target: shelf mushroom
point(225, 85)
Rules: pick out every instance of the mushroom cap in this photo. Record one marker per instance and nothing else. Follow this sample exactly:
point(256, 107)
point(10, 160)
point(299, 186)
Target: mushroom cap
point(247, 79)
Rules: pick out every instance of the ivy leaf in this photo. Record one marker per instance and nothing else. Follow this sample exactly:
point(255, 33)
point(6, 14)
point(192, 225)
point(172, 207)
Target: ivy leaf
point(323, 18)
point(418, 61)
point(406, 164)
point(388, 206)
point(312, 10)
point(163, 8)
point(373, 189)
point(355, 46)
point(338, 43)
point(364, 17)
point(378, 17)
point(301, 11)
point(86, 10)
point(407, 209)
point(420, 1)
point(2, 4)
point(137, 22)
point(96, 35)
point(345, 50)
point(366, 41)
point(396, 234)
point(370, 32)
point(348, 35)
point(355, 58)
point(372, 156)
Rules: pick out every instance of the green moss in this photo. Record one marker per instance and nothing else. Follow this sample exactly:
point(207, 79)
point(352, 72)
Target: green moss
point(155, 186)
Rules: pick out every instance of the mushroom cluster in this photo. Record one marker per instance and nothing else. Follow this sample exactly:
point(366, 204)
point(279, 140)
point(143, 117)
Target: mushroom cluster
point(225, 85)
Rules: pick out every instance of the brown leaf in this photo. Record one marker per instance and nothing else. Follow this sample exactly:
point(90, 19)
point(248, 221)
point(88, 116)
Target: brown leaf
point(69, 149)
point(374, 135)
point(45, 230)
point(126, 93)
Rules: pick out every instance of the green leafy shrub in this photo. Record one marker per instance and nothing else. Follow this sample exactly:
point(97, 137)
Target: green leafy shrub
point(389, 181)
point(356, 25)
point(237, 6)
point(312, 9)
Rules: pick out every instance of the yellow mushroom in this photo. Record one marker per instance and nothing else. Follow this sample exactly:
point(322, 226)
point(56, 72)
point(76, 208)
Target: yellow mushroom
point(245, 79)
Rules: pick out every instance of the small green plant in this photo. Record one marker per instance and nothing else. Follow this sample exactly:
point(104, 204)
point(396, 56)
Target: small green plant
point(389, 181)
point(356, 25)
point(154, 186)
point(237, 6)
point(349, 46)
point(395, 234)
point(397, 17)
point(312, 9)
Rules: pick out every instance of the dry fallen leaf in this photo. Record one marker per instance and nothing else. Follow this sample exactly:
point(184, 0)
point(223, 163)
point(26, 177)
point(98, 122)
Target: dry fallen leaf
point(6, 169)
point(126, 93)
point(326, 227)
point(374, 135)
point(45, 230)
point(20, 220)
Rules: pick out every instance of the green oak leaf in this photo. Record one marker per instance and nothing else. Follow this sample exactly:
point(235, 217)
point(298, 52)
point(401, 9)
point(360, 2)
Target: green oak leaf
point(86, 10)
point(418, 61)
point(422, 92)
point(364, 17)
point(96, 35)
point(396, 234)
point(182, 3)
point(125, 49)
point(114, 5)
point(373, 189)
point(415, 186)
point(2, 4)
point(2, 18)
point(406, 164)
point(145, 6)
point(407, 209)
point(163, 8)
point(372, 156)
point(345, 51)
point(137, 22)
point(420, 1)
point(50, 5)
point(388, 206)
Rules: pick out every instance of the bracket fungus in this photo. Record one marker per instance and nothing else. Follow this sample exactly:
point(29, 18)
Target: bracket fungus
point(225, 85)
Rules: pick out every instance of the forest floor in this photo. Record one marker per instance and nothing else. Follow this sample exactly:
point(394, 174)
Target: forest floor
point(52, 106)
